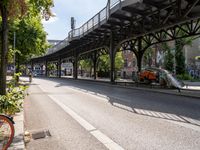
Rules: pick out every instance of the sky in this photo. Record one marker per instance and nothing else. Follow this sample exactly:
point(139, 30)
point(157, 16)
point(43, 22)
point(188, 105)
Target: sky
point(57, 27)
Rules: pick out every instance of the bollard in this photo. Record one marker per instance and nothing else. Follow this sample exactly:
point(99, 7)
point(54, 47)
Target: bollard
point(30, 78)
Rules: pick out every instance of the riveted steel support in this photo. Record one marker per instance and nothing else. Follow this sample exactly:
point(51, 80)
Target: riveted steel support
point(112, 58)
point(32, 66)
point(139, 54)
point(95, 65)
point(46, 68)
point(75, 67)
point(59, 67)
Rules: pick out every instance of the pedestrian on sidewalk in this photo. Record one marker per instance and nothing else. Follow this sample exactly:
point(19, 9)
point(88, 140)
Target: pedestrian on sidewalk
point(30, 76)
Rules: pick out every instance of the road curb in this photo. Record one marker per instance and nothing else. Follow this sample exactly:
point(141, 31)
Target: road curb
point(167, 91)
point(190, 93)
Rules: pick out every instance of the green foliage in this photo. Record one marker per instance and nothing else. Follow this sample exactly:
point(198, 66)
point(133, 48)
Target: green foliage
point(180, 58)
point(30, 38)
point(168, 58)
point(51, 66)
point(119, 61)
point(184, 76)
point(85, 64)
point(147, 57)
point(14, 81)
point(197, 57)
point(104, 63)
point(11, 103)
point(42, 7)
point(16, 78)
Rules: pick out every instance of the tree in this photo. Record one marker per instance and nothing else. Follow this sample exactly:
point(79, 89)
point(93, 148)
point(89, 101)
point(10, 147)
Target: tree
point(86, 65)
point(51, 67)
point(31, 39)
point(168, 58)
point(148, 57)
point(104, 63)
point(12, 10)
point(119, 61)
point(179, 56)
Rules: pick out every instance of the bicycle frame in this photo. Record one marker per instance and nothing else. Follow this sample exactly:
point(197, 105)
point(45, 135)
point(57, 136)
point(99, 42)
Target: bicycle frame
point(8, 121)
point(10, 118)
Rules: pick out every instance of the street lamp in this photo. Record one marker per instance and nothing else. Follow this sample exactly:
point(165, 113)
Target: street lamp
point(14, 42)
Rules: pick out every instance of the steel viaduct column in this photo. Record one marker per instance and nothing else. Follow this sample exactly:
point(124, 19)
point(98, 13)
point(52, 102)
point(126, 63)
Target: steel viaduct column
point(75, 67)
point(139, 54)
point(112, 58)
point(59, 67)
point(95, 64)
point(32, 66)
point(46, 68)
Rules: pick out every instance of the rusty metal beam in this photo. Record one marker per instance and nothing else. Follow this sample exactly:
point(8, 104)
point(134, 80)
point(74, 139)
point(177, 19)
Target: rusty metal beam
point(190, 8)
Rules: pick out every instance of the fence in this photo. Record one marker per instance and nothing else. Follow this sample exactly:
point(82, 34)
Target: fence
point(89, 26)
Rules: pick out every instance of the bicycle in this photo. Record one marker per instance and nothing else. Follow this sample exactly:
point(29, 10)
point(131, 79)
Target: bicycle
point(7, 131)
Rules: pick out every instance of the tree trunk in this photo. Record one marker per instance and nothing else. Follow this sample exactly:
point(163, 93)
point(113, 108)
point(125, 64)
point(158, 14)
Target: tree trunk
point(4, 48)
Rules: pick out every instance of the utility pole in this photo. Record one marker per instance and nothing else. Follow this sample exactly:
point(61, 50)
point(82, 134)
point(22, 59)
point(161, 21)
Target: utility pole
point(174, 50)
point(14, 44)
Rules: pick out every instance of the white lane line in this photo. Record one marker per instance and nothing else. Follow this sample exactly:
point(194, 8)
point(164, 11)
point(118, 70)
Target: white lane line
point(80, 120)
point(105, 140)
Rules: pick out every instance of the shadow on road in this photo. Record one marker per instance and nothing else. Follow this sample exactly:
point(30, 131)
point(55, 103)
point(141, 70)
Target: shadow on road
point(141, 102)
point(173, 117)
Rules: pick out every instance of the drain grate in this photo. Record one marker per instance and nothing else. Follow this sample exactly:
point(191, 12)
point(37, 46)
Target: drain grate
point(41, 134)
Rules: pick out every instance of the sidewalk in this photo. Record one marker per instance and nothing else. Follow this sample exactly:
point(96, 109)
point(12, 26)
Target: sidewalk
point(192, 85)
point(18, 141)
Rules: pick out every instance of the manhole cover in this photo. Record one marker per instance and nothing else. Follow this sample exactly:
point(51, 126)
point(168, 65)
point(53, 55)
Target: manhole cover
point(41, 134)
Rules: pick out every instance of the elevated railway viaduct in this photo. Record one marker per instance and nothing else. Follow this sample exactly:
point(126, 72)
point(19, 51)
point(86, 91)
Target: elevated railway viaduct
point(123, 25)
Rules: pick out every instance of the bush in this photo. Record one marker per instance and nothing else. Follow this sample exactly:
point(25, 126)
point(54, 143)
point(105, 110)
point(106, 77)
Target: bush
point(12, 102)
point(184, 77)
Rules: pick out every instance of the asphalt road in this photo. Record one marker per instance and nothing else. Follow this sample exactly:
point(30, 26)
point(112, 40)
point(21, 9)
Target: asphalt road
point(84, 115)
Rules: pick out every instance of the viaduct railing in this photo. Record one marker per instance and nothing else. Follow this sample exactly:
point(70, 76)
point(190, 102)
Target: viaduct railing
point(94, 23)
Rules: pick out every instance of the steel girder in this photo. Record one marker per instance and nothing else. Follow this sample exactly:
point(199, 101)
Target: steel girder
point(187, 29)
point(140, 44)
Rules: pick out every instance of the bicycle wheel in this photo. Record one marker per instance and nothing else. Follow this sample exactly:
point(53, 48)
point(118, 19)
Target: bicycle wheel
point(6, 132)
